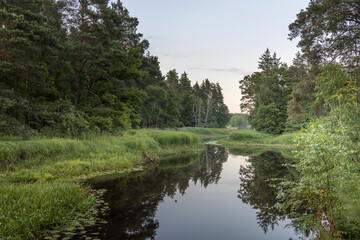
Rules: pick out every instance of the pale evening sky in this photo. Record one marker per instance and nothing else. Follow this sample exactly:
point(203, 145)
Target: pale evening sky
point(221, 40)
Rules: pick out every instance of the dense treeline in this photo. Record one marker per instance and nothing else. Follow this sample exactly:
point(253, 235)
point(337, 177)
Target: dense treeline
point(320, 92)
point(281, 97)
point(68, 66)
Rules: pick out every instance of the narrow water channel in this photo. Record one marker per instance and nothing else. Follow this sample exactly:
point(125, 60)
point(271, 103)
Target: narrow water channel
point(218, 194)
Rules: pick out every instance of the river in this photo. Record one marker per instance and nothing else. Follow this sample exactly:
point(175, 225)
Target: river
point(218, 194)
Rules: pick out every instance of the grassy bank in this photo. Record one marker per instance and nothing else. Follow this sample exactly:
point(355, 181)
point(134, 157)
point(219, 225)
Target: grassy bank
point(252, 138)
point(28, 209)
point(39, 178)
point(209, 133)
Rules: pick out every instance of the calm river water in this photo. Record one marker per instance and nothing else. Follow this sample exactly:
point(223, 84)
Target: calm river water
point(218, 194)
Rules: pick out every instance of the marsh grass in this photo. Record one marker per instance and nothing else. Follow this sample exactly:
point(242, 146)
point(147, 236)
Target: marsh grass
point(219, 132)
point(27, 209)
point(254, 138)
point(175, 138)
point(49, 159)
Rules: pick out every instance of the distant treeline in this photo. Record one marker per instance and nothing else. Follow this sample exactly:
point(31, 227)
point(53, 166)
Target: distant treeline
point(69, 66)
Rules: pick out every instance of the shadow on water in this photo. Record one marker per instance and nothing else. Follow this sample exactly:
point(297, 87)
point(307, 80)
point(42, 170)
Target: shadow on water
point(134, 197)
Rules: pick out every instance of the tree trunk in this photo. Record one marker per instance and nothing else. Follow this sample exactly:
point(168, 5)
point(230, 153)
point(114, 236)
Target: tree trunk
point(208, 111)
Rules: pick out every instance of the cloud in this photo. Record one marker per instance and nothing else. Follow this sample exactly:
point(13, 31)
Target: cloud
point(173, 55)
point(214, 69)
point(148, 37)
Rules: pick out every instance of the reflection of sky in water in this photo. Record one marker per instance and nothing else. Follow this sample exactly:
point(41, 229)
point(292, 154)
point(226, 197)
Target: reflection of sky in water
point(212, 196)
point(214, 212)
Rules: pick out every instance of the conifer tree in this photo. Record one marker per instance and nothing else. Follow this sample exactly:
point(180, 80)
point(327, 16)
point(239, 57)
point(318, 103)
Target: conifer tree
point(264, 95)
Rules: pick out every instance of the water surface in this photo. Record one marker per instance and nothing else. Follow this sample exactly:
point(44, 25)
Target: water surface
point(216, 195)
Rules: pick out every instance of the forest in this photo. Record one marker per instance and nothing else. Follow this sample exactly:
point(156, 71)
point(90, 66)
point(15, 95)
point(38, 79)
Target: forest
point(70, 67)
point(77, 79)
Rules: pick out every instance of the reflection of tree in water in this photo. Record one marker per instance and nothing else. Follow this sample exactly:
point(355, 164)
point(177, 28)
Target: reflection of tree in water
point(210, 165)
point(134, 197)
point(255, 187)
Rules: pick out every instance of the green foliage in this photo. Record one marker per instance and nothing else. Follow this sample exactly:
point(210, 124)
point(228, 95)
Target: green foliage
point(209, 108)
point(71, 66)
point(302, 105)
point(264, 95)
point(328, 172)
point(153, 107)
point(65, 120)
point(100, 124)
point(327, 31)
point(239, 121)
point(269, 118)
point(188, 102)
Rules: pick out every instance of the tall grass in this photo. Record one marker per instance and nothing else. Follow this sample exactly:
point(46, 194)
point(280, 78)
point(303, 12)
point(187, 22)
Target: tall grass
point(207, 131)
point(250, 137)
point(175, 138)
point(49, 159)
point(27, 209)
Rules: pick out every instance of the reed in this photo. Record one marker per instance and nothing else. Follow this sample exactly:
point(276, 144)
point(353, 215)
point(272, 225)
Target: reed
point(27, 209)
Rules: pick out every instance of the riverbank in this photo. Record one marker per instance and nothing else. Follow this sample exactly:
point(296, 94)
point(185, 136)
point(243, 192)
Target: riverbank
point(40, 179)
point(251, 138)
point(235, 138)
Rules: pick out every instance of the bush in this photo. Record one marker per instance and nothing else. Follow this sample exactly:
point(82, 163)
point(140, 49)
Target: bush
point(328, 183)
point(66, 120)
